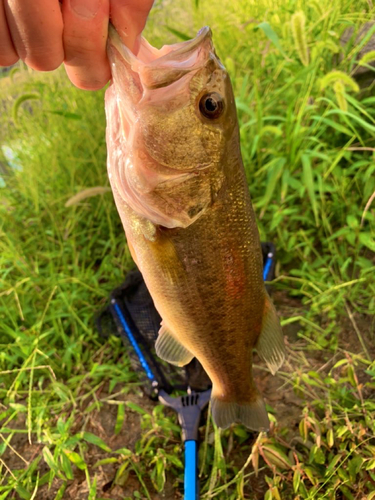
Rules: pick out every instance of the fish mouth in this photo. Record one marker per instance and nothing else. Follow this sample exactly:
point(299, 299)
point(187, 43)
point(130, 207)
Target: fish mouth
point(143, 84)
point(159, 68)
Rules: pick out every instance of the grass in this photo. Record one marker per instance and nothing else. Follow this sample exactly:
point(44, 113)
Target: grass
point(68, 398)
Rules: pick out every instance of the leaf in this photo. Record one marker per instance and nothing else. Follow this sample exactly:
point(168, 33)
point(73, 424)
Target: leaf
point(336, 126)
point(18, 407)
point(49, 459)
point(120, 418)
point(136, 408)
point(296, 480)
point(303, 429)
point(158, 474)
point(310, 473)
point(92, 492)
point(60, 493)
point(351, 376)
point(124, 451)
point(370, 464)
point(317, 455)
point(240, 432)
point(355, 465)
point(268, 495)
point(341, 362)
point(275, 170)
point(66, 467)
point(352, 221)
point(105, 461)
point(174, 460)
point(276, 456)
point(87, 193)
point(179, 34)
point(276, 493)
point(20, 100)
point(255, 458)
point(346, 492)
point(270, 129)
point(122, 474)
point(271, 35)
point(367, 240)
point(75, 459)
point(330, 438)
point(353, 117)
point(91, 438)
point(23, 493)
point(308, 180)
point(66, 114)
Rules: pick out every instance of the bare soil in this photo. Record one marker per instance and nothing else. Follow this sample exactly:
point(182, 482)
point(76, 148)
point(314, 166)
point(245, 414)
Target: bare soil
point(277, 392)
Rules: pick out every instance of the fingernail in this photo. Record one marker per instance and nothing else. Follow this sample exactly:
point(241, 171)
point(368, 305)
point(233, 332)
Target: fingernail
point(85, 8)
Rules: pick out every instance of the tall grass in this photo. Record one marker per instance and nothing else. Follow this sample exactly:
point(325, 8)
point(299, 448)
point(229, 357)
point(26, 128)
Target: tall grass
point(307, 136)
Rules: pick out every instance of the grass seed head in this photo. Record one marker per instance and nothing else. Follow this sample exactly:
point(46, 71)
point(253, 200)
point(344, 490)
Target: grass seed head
point(339, 89)
point(298, 22)
point(334, 76)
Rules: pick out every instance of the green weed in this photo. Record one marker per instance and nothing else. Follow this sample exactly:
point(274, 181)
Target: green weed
point(307, 137)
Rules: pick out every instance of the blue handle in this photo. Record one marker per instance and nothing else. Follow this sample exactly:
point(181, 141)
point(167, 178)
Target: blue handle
point(191, 470)
point(267, 266)
point(133, 342)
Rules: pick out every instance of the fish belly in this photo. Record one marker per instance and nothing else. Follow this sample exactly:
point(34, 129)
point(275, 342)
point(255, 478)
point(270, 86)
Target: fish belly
point(206, 282)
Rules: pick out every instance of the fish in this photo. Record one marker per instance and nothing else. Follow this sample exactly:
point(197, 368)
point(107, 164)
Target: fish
point(179, 184)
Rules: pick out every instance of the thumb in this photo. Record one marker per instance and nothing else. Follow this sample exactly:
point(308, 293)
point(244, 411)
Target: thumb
point(129, 18)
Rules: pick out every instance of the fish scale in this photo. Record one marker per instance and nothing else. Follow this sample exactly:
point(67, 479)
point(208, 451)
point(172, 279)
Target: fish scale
point(191, 228)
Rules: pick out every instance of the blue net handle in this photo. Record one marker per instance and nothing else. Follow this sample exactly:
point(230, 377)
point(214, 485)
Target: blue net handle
point(191, 470)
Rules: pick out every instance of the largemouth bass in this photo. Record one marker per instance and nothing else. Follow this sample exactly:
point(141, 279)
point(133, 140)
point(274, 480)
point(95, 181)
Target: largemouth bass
point(176, 172)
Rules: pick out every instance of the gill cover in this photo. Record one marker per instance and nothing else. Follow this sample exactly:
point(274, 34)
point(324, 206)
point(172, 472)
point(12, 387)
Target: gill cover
point(161, 154)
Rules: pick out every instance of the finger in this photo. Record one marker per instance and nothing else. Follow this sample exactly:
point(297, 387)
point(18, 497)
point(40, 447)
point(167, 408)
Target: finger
point(8, 54)
point(129, 18)
point(85, 38)
point(36, 29)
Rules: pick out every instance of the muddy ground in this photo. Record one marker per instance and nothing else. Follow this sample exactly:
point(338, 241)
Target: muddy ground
point(277, 392)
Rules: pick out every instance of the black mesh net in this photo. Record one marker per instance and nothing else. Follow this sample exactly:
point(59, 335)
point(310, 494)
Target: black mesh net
point(131, 315)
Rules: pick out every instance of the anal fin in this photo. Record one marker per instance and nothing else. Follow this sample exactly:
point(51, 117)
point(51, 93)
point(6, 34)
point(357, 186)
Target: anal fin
point(171, 350)
point(270, 345)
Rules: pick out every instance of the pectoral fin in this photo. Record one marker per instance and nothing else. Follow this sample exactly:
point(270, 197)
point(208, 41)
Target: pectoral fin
point(171, 350)
point(270, 345)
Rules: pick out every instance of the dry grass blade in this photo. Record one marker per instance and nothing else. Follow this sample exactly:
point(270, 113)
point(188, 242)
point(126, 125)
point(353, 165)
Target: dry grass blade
point(357, 331)
point(87, 193)
point(367, 208)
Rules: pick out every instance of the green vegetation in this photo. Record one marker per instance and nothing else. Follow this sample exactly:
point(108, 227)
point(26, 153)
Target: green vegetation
point(73, 423)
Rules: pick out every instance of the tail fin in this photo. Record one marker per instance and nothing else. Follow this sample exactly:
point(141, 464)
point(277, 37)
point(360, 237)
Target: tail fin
point(252, 414)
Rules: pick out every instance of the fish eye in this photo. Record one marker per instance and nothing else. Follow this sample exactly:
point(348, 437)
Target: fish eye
point(211, 105)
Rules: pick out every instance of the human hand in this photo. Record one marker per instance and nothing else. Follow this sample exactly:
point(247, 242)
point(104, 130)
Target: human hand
point(45, 33)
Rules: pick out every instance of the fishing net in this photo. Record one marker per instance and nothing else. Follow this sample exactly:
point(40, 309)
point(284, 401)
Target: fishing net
point(131, 315)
